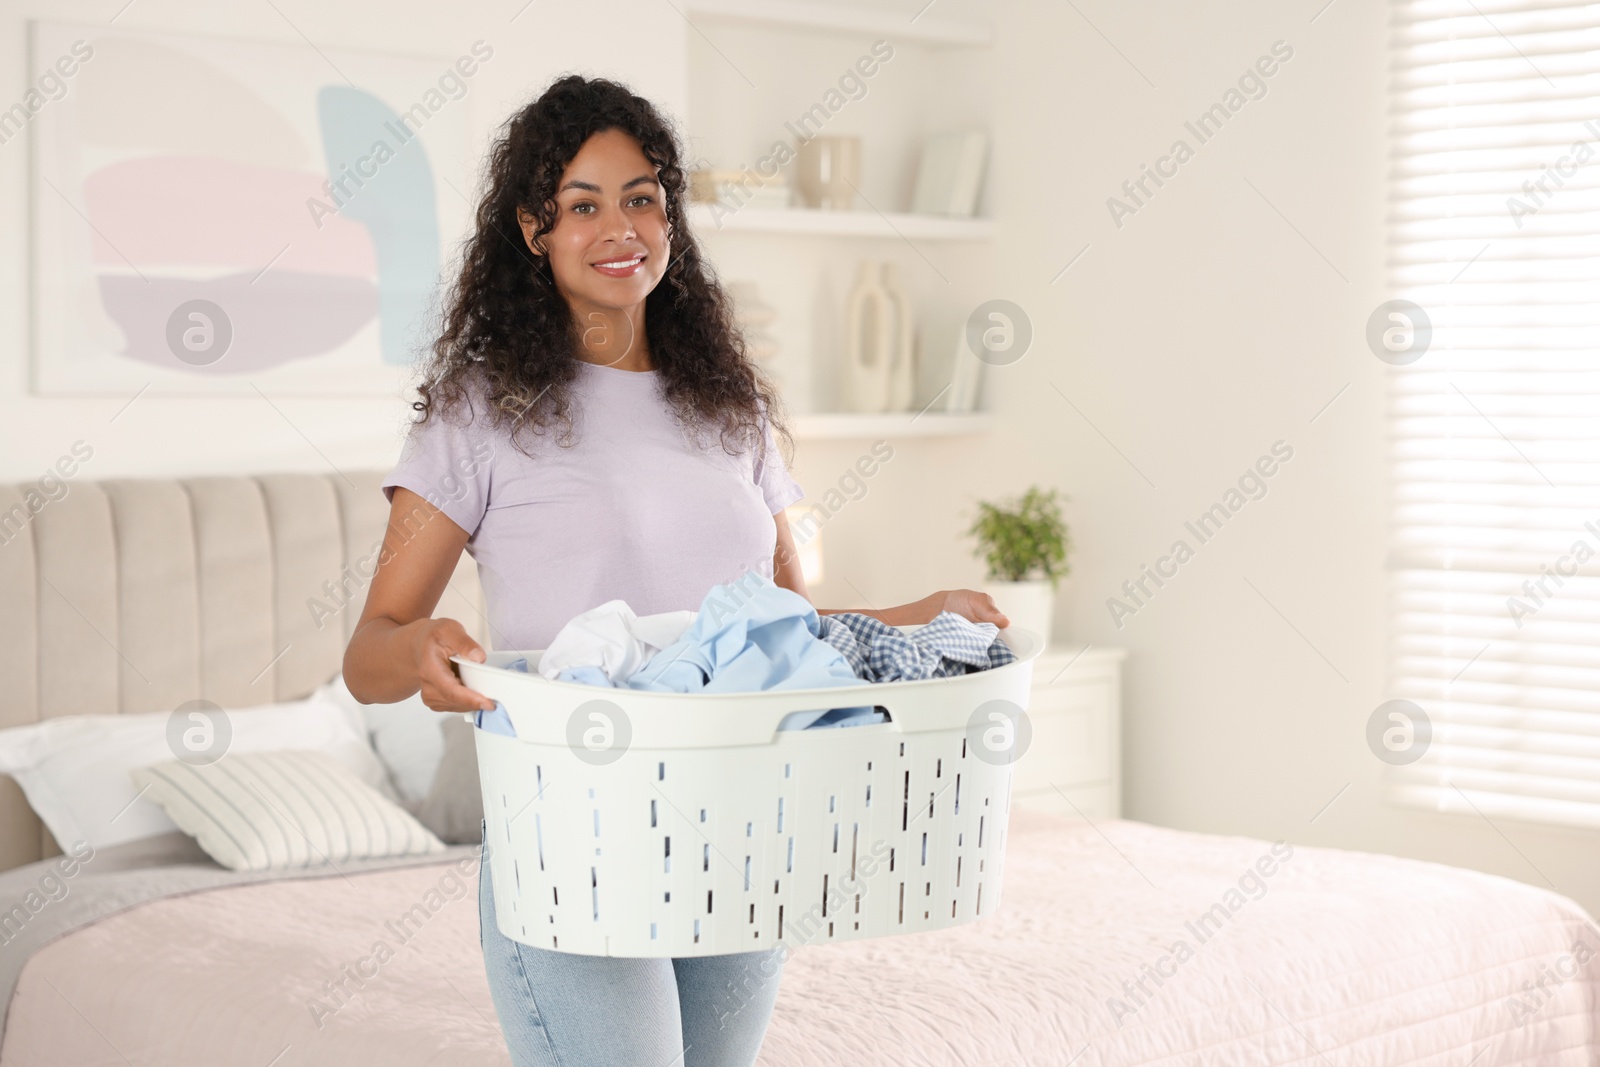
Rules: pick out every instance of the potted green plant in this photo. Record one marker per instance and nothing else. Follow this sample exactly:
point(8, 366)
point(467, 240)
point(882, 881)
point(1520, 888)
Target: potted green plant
point(1025, 545)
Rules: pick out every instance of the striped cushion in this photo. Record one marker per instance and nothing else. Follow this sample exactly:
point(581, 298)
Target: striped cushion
point(258, 811)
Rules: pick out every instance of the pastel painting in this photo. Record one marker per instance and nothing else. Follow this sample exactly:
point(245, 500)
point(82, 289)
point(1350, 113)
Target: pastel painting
point(222, 216)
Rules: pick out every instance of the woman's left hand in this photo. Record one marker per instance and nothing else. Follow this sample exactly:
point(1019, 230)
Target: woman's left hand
point(970, 604)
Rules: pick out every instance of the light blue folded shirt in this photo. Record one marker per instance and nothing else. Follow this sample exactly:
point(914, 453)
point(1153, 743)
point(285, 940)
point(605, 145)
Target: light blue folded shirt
point(749, 636)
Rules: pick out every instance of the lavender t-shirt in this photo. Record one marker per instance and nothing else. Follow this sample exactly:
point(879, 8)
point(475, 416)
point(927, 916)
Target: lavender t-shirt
point(634, 510)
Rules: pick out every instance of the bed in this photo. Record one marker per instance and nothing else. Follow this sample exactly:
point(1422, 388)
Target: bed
point(1116, 943)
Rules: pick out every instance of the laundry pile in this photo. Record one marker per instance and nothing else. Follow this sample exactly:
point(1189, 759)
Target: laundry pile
point(752, 635)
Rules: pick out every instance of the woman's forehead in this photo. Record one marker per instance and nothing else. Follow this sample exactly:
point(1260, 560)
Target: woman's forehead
point(610, 156)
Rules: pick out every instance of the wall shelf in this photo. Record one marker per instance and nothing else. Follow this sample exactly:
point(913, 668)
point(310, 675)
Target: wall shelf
point(801, 260)
point(841, 426)
point(883, 23)
point(837, 223)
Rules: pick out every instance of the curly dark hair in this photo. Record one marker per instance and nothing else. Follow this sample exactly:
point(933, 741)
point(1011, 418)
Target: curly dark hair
point(507, 330)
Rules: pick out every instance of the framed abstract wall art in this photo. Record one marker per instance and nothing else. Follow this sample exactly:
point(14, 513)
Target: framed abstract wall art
point(220, 216)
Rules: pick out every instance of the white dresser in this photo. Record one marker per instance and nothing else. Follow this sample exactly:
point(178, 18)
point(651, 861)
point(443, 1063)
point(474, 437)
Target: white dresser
point(1073, 765)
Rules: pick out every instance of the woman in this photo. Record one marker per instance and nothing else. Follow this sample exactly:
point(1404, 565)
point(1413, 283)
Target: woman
point(584, 306)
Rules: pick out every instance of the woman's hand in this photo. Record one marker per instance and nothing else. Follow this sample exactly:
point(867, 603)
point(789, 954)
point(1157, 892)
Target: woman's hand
point(434, 642)
point(970, 604)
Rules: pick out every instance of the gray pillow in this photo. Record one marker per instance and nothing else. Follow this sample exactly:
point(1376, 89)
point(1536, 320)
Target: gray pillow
point(453, 808)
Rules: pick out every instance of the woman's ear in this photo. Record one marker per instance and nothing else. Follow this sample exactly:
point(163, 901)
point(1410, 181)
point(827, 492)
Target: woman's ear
point(529, 225)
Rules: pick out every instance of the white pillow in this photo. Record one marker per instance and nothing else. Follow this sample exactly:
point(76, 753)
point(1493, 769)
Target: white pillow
point(266, 810)
point(408, 736)
point(74, 770)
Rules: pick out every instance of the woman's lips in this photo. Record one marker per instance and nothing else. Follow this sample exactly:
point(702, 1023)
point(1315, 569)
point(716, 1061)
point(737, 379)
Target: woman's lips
point(620, 268)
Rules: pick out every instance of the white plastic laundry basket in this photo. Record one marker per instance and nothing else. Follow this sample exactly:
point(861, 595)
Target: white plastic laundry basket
point(627, 823)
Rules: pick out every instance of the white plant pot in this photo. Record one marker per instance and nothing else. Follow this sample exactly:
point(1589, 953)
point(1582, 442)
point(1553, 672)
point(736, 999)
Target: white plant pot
point(1029, 604)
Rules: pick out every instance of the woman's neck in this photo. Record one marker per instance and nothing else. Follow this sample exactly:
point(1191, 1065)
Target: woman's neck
point(613, 337)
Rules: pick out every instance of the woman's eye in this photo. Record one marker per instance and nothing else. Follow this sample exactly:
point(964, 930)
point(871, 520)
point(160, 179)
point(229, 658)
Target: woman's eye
point(643, 197)
point(579, 207)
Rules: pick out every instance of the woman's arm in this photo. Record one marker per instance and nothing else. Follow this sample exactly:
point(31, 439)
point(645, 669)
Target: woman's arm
point(969, 603)
point(397, 648)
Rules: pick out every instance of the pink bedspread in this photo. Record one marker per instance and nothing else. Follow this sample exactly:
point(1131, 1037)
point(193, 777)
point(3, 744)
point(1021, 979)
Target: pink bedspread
point(1102, 954)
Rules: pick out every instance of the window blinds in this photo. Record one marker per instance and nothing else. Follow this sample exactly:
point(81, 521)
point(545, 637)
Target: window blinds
point(1494, 231)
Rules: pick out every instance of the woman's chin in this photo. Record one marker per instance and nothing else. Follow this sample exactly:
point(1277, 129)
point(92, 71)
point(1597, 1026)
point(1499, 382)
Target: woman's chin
point(614, 293)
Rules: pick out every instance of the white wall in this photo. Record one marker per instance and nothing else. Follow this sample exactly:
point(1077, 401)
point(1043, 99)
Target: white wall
point(1207, 327)
point(1193, 337)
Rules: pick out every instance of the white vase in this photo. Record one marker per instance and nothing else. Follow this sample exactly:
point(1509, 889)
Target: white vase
point(1029, 605)
point(902, 348)
point(869, 343)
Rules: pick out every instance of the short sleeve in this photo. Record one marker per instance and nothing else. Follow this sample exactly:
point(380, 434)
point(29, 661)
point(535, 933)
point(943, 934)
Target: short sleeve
point(772, 475)
point(447, 461)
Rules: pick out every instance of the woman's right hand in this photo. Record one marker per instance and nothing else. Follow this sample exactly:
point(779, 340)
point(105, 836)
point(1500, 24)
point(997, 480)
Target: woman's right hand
point(435, 641)
point(398, 647)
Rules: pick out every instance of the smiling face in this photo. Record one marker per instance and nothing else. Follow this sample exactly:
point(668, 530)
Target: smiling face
point(610, 245)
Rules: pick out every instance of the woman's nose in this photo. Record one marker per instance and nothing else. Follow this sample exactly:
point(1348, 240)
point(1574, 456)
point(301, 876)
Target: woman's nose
point(616, 225)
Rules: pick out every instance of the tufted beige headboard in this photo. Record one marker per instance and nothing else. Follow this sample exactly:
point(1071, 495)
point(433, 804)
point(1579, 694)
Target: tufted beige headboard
point(137, 595)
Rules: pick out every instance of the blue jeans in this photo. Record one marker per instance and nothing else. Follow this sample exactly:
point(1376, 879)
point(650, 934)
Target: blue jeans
point(558, 1009)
